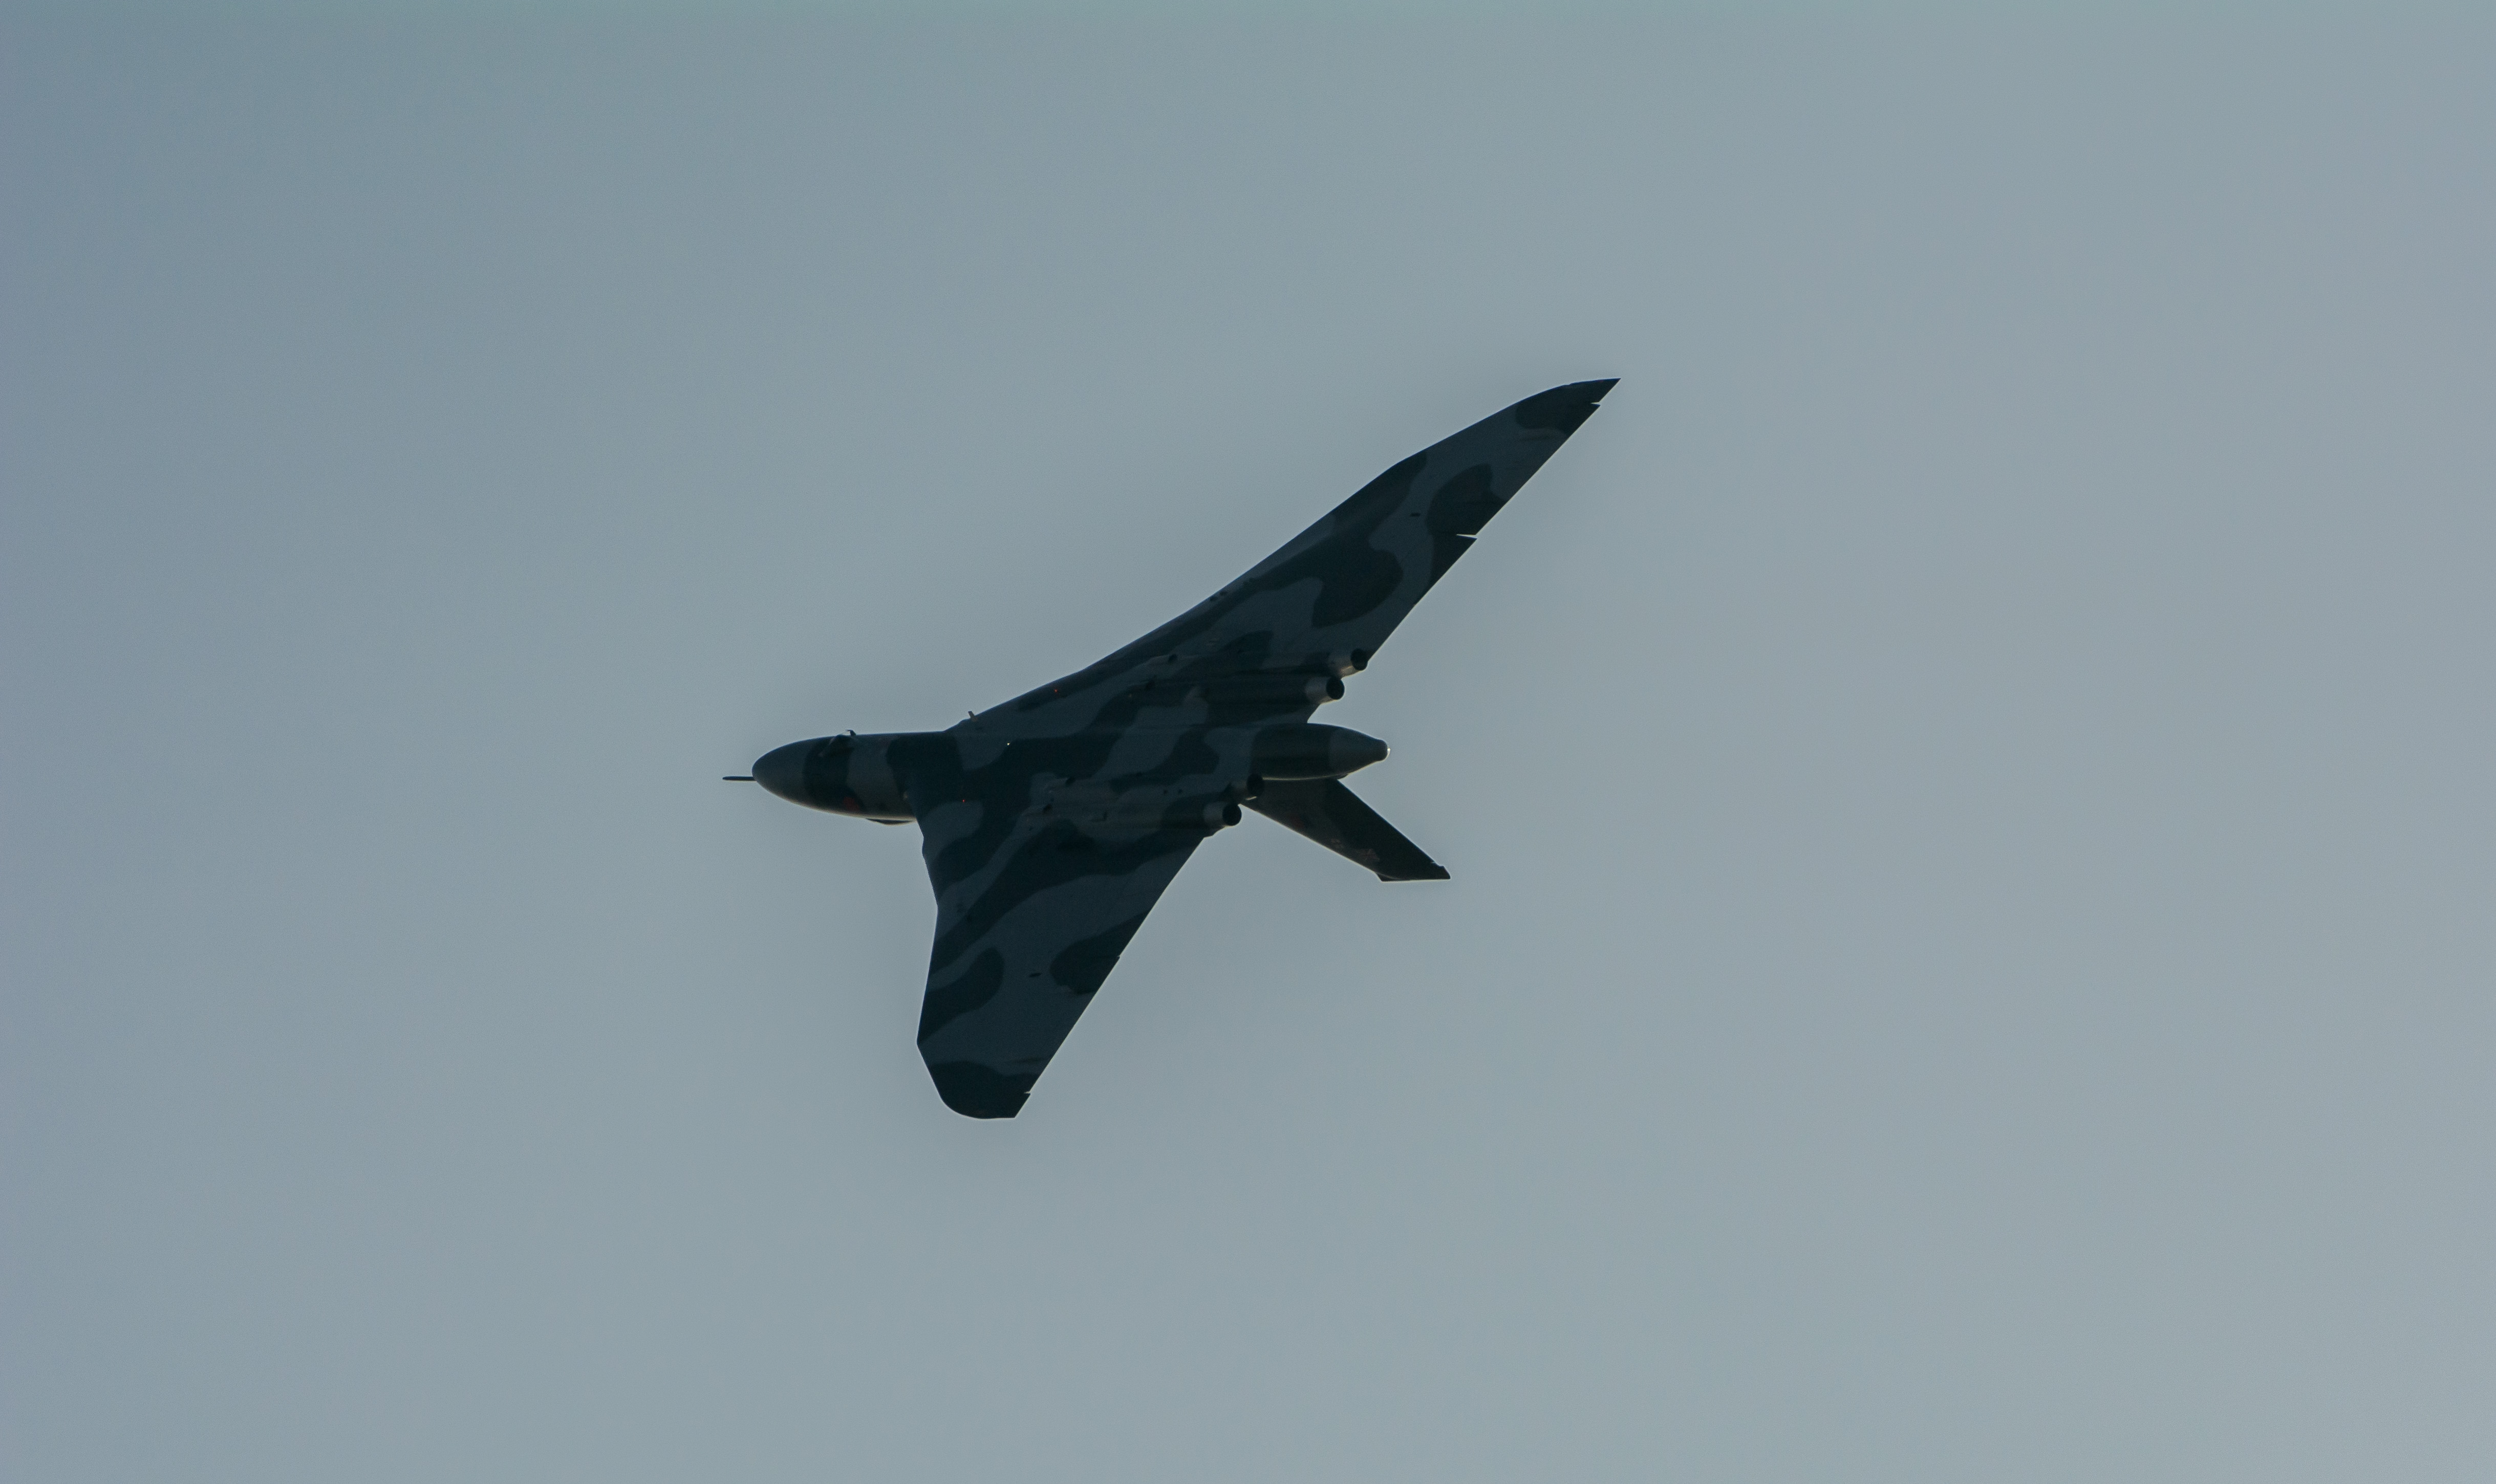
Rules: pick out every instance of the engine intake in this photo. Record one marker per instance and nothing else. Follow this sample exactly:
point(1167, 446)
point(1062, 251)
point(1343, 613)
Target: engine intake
point(1102, 806)
point(1256, 694)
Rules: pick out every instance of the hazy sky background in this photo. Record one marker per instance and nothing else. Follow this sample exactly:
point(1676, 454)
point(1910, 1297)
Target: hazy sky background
point(1970, 783)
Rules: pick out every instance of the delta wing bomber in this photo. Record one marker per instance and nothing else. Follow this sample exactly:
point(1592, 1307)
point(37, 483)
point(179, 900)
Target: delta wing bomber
point(1052, 822)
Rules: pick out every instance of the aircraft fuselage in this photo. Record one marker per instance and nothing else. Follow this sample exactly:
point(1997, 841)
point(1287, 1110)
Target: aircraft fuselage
point(1142, 776)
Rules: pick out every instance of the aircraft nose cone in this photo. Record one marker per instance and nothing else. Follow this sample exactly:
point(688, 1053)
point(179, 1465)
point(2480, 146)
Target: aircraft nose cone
point(783, 771)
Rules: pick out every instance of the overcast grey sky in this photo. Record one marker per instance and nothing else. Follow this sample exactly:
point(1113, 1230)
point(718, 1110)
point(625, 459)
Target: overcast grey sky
point(1968, 783)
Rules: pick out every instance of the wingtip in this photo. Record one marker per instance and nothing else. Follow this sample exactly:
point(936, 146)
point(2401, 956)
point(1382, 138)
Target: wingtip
point(1562, 409)
point(974, 1091)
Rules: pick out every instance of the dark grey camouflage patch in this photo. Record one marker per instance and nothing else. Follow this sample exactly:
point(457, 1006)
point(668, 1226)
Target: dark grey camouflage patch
point(1465, 504)
point(977, 986)
point(1083, 966)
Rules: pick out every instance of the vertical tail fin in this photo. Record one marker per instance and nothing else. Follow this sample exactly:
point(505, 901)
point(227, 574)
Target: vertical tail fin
point(1334, 817)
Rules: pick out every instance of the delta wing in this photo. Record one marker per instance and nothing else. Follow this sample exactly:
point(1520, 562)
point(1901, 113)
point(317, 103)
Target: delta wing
point(1275, 642)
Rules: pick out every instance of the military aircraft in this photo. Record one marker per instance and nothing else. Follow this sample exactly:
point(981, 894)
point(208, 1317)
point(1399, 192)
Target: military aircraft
point(1052, 822)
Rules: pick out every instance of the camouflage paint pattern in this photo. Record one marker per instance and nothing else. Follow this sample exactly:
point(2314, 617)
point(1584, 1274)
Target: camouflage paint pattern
point(1051, 824)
